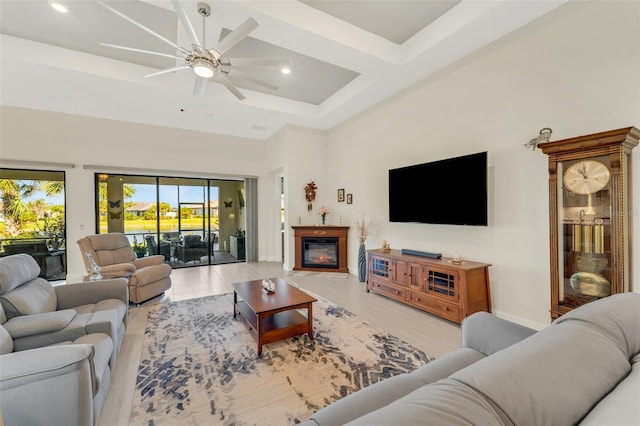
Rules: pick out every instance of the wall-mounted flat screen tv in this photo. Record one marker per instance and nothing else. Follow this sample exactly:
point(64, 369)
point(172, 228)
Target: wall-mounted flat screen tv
point(448, 192)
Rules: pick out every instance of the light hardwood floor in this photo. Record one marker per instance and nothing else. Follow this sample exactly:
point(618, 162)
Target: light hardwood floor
point(431, 334)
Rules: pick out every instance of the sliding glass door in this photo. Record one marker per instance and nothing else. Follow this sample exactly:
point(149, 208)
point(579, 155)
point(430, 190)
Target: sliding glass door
point(179, 218)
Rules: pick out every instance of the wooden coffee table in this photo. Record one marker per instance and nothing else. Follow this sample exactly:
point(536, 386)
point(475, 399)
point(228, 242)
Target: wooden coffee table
point(274, 316)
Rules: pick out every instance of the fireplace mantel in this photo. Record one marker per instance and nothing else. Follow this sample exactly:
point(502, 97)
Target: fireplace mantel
point(340, 232)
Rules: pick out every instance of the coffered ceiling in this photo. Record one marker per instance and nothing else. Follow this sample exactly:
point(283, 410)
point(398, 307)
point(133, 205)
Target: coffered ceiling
point(345, 57)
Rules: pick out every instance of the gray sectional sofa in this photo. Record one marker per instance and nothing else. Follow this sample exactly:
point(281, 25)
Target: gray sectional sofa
point(582, 369)
point(58, 345)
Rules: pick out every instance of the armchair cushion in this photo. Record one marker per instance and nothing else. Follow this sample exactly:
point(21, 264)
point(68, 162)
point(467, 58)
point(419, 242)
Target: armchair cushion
point(21, 270)
point(150, 274)
point(28, 325)
point(112, 248)
point(34, 297)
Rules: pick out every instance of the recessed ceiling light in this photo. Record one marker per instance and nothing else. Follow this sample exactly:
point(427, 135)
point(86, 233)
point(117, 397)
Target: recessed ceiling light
point(285, 70)
point(58, 6)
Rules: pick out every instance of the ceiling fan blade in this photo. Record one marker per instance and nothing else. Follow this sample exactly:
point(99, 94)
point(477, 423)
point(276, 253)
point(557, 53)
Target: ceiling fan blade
point(186, 22)
point(133, 49)
point(138, 24)
point(246, 62)
point(224, 80)
point(252, 79)
point(235, 36)
point(168, 70)
point(200, 86)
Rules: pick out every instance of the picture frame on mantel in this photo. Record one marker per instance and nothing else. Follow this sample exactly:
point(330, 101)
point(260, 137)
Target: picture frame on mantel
point(349, 198)
point(340, 195)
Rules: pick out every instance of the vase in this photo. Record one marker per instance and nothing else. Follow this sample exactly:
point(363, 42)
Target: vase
point(362, 263)
point(324, 216)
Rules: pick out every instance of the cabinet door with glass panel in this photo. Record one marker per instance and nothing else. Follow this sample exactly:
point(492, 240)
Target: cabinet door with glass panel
point(590, 217)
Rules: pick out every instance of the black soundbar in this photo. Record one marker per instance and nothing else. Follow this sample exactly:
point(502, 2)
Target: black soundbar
point(422, 253)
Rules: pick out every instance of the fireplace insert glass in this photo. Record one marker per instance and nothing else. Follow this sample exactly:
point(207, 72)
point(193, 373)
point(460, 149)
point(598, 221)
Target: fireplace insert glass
point(320, 252)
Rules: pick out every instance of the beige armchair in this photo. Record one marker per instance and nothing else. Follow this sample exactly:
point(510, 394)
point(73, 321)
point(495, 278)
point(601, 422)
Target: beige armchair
point(148, 276)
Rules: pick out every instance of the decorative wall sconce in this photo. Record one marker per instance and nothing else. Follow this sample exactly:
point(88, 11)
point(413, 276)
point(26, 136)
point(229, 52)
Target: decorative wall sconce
point(544, 136)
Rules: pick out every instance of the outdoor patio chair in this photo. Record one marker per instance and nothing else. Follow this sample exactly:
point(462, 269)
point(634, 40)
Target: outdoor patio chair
point(51, 264)
point(192, 248)
point(164, 249)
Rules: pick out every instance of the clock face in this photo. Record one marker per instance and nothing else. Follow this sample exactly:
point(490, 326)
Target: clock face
point(586, 177)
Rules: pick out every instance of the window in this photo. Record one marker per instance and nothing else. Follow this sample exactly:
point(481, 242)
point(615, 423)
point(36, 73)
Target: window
point(32, 218)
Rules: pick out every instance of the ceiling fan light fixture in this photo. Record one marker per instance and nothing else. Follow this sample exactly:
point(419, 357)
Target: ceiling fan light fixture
point(202, 68)
point(58, 6)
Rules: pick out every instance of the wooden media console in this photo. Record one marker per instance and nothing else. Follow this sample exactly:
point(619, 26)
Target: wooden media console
point(439, 286)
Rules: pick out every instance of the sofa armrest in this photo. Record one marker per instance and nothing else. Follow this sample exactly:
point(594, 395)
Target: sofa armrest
point(72, 295)
point(487, 333)
point(30, 325)
point(51, 385)
point(143, 262)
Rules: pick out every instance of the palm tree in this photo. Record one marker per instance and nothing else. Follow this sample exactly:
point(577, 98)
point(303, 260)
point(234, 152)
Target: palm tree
point(53, 187)
point(14, 207)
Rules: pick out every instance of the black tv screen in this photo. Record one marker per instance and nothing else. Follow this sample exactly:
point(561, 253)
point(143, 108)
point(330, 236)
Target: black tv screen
point(448, 192)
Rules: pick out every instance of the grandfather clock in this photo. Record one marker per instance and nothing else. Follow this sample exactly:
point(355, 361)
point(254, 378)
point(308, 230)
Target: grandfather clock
point(590, 213)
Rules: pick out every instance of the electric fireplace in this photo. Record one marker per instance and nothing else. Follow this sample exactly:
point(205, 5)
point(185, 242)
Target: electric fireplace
point(320, 252)
point(321, 248)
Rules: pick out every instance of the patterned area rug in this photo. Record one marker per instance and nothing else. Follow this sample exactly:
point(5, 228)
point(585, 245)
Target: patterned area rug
point(199, 366)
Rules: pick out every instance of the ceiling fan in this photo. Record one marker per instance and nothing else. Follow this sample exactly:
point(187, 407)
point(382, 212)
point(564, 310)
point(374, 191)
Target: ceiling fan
point(206, 64)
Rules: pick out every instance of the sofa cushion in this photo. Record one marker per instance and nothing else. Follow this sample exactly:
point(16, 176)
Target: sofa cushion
point(28, 325)
point(445, 402)
point(75, 329)
point(6, 342)
point(617, 316)
point(47, 386)
point(103, 347)
point(34, 297)
point(621, 406)
point(553, 377)
point(388, 390)
point(16, 270)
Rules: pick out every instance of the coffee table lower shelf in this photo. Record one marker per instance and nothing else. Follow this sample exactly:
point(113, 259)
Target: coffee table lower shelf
point(268, 328)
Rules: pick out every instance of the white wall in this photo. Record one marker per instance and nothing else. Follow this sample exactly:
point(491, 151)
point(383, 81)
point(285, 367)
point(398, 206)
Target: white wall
point(302, 158)
point(576, 70)
point(53, 137)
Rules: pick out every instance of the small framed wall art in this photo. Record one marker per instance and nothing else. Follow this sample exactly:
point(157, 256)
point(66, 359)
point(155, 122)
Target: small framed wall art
point(340, 195)
point(349, 198)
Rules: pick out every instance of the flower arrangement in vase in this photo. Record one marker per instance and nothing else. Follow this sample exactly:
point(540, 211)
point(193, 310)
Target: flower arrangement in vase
point(324, 211)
